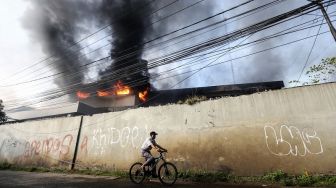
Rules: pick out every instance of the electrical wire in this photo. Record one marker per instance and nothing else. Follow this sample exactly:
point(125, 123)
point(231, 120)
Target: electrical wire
point(255, 41)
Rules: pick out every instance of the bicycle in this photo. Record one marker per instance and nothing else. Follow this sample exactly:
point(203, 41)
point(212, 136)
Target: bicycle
point(167, 172)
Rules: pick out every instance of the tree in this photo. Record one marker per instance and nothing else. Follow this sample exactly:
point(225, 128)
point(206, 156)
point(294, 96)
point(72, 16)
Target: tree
point(320, 73)
point(3, 117)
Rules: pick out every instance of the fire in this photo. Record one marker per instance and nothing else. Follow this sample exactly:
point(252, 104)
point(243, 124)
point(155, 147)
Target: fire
point(118, 89)
point(82, 95)
point(121, 89)
point(104, 93)
point(143, 95)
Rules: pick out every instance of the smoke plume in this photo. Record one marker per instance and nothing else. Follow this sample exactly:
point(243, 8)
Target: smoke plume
point(56, 25)
point(130, 23)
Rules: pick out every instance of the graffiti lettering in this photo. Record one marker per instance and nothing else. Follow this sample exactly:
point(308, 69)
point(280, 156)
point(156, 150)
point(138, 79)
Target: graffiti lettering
point(83, 146)
point(66, 143)
point(44, 147)
point(123, 137)
point(47, 145)
point(291, 141)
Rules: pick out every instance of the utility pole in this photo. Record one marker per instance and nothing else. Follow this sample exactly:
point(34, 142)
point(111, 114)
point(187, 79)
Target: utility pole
point(325, 14)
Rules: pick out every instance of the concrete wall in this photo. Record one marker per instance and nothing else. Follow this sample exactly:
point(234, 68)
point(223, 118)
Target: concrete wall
point(45, 143)
point(290, 129)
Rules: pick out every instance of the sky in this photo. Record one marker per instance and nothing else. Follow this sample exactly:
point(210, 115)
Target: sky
point(21, 49)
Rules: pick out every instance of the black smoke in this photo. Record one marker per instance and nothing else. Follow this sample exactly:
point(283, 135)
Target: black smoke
point(131, 25)
point(56, 26)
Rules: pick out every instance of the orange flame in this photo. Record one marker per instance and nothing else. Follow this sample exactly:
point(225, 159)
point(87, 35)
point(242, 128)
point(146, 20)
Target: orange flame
point(143, 95)
point(104, 93)
point(82, 95)
point(118, 89)
point(121, 89)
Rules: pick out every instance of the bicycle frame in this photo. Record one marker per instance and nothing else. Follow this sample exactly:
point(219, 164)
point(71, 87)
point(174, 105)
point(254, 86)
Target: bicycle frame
point(158, 159)
point(167, 172)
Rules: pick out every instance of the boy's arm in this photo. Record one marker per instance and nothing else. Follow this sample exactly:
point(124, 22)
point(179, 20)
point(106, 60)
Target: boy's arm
point(157, 146)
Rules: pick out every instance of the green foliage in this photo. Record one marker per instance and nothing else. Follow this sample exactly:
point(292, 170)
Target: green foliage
point(5, 166)
point(324, 180)
point(289, 181)
point(275, 176)
point(279, 177)
point(184, 174)
point(203, 176)
point(332, 180)
point(322, 72)
point(33, 169)
point(305, 180)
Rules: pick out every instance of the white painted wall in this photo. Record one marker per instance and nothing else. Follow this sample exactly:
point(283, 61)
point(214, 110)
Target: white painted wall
point(290, 129)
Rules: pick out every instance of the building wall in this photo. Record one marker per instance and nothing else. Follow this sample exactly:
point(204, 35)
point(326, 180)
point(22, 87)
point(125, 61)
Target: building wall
point(39, 143)
point(289, 129)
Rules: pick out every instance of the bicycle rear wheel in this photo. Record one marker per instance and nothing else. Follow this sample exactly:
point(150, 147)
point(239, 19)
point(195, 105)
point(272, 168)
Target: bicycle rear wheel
point(167, 173)
point(136, 173)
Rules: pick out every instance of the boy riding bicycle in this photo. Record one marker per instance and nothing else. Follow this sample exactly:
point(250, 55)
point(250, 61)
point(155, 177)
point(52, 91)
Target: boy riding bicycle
point(146, 147)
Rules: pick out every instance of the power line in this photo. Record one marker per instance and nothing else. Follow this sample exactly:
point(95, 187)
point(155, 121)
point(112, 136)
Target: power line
point(87, 125)
point(144, 42)
point(117, 114)
point(259, 40)
point(166, 17)
point(254, 53)
point(310, 52)
point(127, 55)
point(211, 52)
point(74, 44)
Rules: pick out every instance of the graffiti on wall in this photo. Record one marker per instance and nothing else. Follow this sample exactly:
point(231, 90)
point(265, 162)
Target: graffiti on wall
point(11, 148)
point(103, 138)
point(83, 146)
point(51, 145)
point(291, 141)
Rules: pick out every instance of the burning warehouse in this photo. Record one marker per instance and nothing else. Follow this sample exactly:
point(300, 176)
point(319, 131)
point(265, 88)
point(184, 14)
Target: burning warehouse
point(125, 81)
point(121, 97)
point(130, 89)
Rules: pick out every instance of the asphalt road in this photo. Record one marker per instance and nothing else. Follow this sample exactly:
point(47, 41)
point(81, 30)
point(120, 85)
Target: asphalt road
point(46, 180)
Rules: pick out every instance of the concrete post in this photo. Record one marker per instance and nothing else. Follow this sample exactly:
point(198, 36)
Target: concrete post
point(77, 144)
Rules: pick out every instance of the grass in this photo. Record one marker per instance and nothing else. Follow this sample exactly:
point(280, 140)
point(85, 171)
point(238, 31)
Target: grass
point(273, 178)
point(95, 172)
point(304, 179)
point(203, 176)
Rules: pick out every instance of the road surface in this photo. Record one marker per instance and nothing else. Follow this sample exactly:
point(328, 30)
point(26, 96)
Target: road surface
point(48, 180)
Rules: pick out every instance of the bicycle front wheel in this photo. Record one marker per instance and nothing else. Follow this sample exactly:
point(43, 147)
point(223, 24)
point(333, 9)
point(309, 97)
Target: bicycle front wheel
point(167, 173)
point(136, 173)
